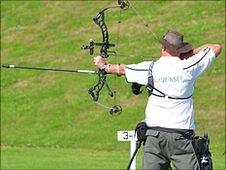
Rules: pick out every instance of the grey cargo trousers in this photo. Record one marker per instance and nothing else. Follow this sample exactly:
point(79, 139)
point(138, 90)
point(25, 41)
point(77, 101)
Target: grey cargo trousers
point(161, 148)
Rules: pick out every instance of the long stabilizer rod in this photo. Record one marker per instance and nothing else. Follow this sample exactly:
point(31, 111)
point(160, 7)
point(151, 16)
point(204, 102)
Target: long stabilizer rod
point(49, 69)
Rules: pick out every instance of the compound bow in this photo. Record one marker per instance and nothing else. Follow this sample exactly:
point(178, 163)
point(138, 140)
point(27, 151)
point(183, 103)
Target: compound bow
point(94, 91)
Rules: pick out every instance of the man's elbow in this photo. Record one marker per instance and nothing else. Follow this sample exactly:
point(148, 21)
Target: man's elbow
point(217, 49)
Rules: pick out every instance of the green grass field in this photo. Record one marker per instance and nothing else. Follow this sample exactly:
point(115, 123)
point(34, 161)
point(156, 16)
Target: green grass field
point(48, 120)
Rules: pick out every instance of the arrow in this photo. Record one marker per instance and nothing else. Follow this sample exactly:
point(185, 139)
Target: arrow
point(49, 69)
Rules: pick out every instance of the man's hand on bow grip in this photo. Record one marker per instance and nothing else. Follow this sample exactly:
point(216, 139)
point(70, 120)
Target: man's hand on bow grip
point(100, 62)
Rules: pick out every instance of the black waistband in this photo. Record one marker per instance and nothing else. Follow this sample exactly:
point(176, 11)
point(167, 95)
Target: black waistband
point(170, 97)
point(185, 132)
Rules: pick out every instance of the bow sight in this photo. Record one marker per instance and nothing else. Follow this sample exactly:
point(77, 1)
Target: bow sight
point(94, 91)
point(92, 44)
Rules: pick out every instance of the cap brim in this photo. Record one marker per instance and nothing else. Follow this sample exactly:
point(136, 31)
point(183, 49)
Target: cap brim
point(185, 48)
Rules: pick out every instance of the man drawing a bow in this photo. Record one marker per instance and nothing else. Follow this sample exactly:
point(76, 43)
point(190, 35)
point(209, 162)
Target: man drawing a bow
point(169, 112)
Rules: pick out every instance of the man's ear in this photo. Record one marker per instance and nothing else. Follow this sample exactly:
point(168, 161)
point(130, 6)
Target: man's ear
point(164, 49)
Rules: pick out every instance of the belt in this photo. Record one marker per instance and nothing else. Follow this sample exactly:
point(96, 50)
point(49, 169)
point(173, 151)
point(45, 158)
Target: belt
point(170, 97)
point(185, 132)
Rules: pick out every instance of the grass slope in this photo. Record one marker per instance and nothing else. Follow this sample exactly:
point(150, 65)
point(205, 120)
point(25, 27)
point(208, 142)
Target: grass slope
point(48, 120)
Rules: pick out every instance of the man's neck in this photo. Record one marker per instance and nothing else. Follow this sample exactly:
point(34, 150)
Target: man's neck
point(167, 54)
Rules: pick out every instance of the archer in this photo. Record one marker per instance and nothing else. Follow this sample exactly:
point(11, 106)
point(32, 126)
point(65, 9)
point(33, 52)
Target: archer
point(169, 112)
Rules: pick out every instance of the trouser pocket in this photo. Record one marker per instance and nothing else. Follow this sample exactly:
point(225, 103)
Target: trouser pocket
point(182, 153)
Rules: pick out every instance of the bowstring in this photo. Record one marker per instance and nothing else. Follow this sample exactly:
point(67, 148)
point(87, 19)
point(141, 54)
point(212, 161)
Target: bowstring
point(143, 20)
point(149, 30)
point(104, 105)
point(116, 58)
